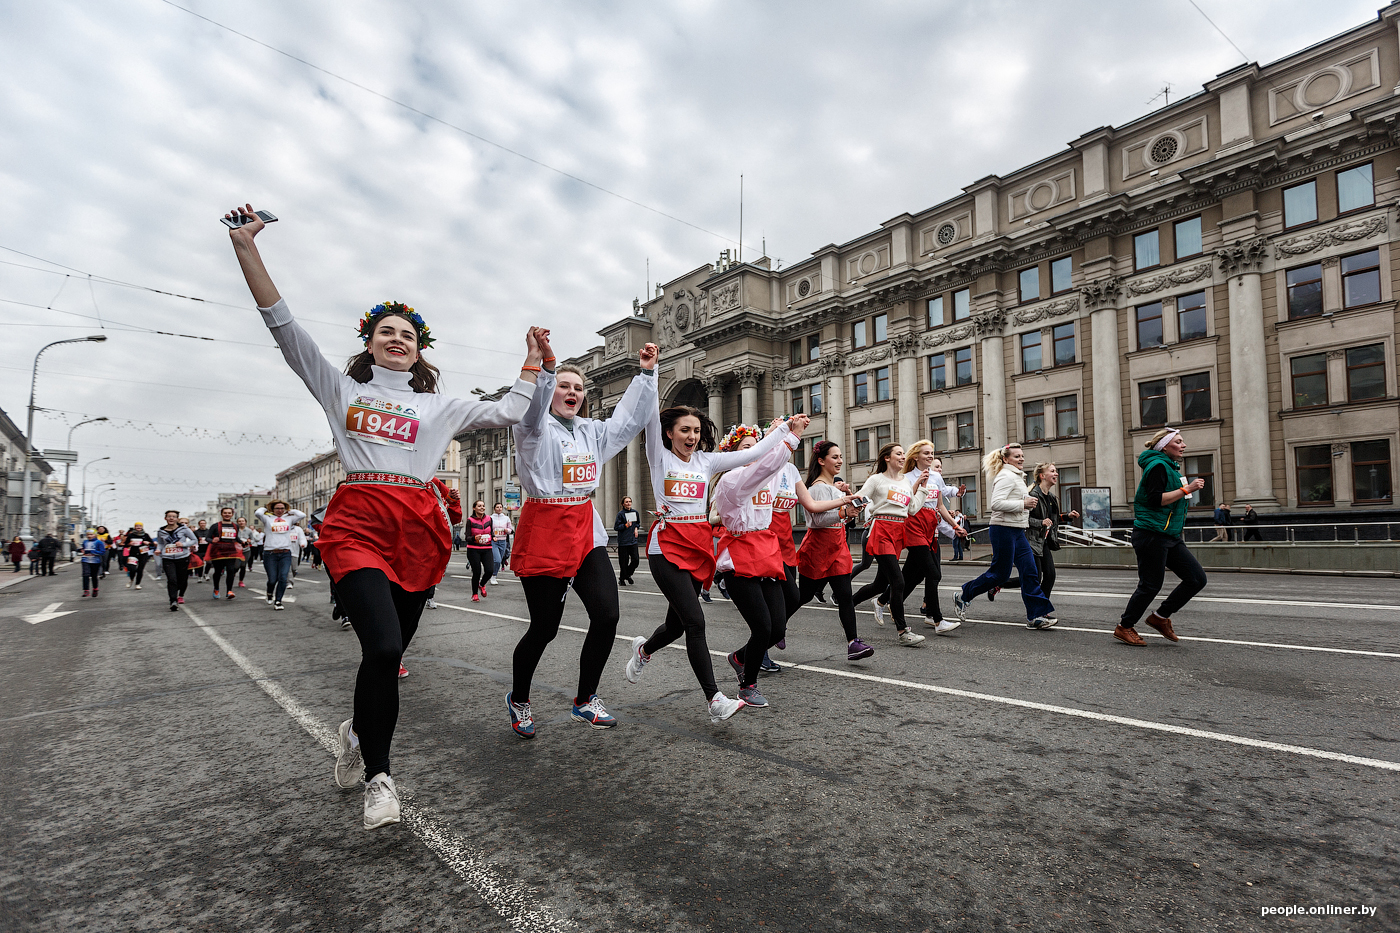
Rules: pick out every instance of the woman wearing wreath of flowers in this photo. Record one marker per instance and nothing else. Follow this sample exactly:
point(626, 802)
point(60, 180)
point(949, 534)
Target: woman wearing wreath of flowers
point(387, 534)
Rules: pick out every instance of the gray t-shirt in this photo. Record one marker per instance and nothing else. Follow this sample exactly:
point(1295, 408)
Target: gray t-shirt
point(824, 492)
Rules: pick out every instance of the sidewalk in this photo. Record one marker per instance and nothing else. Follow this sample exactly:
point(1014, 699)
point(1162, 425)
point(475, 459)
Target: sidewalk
point(11, 578)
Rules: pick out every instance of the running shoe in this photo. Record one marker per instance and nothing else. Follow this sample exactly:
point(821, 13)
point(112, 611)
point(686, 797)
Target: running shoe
point(230, 595)
point(738, 665)
point(722, 707)
point(1039, 622)
point(637, 661)
point(483, 591)
point(431, 604)
point(138, 586)
point(381, 802)
point(960, 606)
point(216, 594)
point(269, 599)
point(173, 607)
point(768, 666)
point(752, 697)
point(821, 598)
point(593, 713)
point(85, 593)
point(908, 638)
point(945, 626)
point(349, 763)
point(242, 584)
point(724, 590)
point(403, 671)
point(494, 581)
point(879, 613)
point(291, 583)
point(520, 719)
point(178, 599)
point(1051, 621)
point(345, 624)
point(278, 605)
point(705, 595)
point(992, 594)
point(476, 597)
point(858, 650)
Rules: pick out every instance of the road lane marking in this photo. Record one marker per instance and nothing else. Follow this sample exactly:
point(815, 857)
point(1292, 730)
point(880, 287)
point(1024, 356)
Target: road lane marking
point(48, 614)
point(1032, 705)
point(518, 906)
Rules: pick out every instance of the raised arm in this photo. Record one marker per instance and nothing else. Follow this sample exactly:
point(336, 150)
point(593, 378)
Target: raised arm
point(813, 506)
point(732, 460)
point(537, 413)
point(635, 409)
point(741, 484)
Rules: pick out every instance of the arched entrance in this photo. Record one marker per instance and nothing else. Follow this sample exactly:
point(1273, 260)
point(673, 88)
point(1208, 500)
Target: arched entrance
point(689, 392)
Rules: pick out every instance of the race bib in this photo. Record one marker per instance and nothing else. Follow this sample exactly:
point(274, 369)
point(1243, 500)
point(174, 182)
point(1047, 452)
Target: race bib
point(931, 497)
point(380, 422)
point(763, 499)
point(483, 539)
point(580, 472)
point(132, 561)
point(687, 487)
point(173, 550)
point(228, 534)
point(783, 503)
point(279, 526)
point(899, 497)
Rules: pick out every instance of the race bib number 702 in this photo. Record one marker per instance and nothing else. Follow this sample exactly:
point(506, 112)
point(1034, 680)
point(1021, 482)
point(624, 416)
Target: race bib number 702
point(382, 422)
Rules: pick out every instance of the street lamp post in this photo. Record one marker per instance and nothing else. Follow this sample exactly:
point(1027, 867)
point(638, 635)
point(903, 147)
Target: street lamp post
point(82, 502)
point(96, 495)
point(26, 534)
point(67, 494)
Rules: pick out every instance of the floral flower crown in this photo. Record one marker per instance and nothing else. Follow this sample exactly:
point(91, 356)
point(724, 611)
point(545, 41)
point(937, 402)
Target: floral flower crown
point(373, 315)
point(737, 434)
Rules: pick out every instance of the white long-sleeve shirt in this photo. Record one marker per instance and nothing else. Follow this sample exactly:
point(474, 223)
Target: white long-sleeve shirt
point(933, 491)
point(891, 497)
point(554, 462)
point(383, 425)
point(744, 497)
point(1007, 503)
point(277, 529)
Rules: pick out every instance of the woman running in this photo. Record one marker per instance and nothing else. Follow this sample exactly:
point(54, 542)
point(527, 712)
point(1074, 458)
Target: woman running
point(223, 554)
point(921, 538)
point(137, 546)
point(1009, 504)
point(892, 500)
point(501, 531)
point(680, 454)
point(561, 541)
point(1159, 512)
point(478, 531)
point(387, 534)
point(176, 543)
point(278, 519)
point(245, 543)
point(93, 549)
point(626, 523)
point(1044, 525)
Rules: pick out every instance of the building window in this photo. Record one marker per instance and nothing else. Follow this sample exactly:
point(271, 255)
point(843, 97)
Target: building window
point(497, 468)
point(968, 503)
point(1152, 403)
point(858, 334)
point(1033, 419)
point(795, 353)
point(1061, 272)
point(1063, 336)
point(1300, 204)
point(1195, 397)
point(1030, 284)
point(882, 436)
point(962, 304)
point(881, 327)
point(1191, 316)
point(1030, 352)
point(797, 402)
point(814, 395)
point(1366, 372)
point(1149, 325)
point(1309, 375)
point(1304, 291)
point(1146, 252)
point(935, 312)
point(937, 372)
point(862, 444)
point(814, 347)
point(938, 433)
point(1066, 415)
point(1314, 474)
point(481, 472)
point(1188, 238)
point(962, 366)
point(967, 437)
point(1370, 471)
point(1354, 189)
point(861, 383)
point(1201, 466)
point(882, 384)
point(1361, 279)
point(1069, 478)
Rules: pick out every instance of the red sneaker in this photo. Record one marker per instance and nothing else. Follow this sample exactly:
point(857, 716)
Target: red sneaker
point(179, 599)
point(476, 597)
point(403, 671)
point(241, 583)
point(483, 592)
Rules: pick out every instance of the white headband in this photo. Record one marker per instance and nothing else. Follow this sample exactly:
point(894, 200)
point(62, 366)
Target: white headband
point(1171, 435)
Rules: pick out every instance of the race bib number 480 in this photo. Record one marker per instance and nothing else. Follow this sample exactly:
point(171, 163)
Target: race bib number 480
point(381, 422)
point(685, 486)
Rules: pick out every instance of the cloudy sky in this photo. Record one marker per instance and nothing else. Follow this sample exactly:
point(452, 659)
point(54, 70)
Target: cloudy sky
point(128, 126)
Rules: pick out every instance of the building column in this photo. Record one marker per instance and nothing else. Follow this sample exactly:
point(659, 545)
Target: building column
point(778, 380)
point(993, 390)
point(634, 471)
point(1249, 386)
point(714, 388)
point(1109, 439)
point(836, 405)
point(907, 388)
point(607, 493)
point(749, 378)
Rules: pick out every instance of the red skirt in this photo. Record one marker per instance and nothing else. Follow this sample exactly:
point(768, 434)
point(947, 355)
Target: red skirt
point(690, 546)
point(886, 536)
point(553, 537)
point(399, 529)
point(755, 554)
point(824, 553)
point(782, 527)
point(921, 530)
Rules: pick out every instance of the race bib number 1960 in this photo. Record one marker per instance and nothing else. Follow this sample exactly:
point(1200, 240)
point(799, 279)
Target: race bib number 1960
point(382, 422)
point(580, 472)
point(685, 486)
point(763, 498)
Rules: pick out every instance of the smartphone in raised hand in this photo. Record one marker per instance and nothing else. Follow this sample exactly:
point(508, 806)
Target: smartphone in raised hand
point(233, 223)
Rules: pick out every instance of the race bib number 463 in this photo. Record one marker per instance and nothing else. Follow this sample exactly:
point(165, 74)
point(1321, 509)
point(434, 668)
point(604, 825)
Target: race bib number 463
point(685, 486)
point(381, 422)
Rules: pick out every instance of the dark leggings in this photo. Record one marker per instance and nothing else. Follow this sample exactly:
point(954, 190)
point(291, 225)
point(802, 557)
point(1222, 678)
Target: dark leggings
point(91, 574)
point(1156, 554)
point(483, 562)
point(135, 573)
point(761, 602)
point(683, 617)
point(890, 577)
point(840, 592)
point(597, 590)
point(791, 596)
point(226, 566)
point(866, 558)
point(384, 616)
point(246, 562)
point(923, 566)
point(627, 560)
point(177, 577)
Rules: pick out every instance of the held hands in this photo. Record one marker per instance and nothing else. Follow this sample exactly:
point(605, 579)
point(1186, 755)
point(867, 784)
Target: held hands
point(537, 346)
point(649, 355)
point(844, 486)
point(797, 423)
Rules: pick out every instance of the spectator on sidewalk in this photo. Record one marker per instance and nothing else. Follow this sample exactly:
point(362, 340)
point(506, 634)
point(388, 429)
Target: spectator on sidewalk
point(48, 551)
point(16, 552)
point(961, 520)
point(1222, 522)
point(1250, 519)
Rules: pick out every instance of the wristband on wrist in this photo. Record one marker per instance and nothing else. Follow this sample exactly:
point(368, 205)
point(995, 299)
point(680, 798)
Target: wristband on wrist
point(549, 359)
point(529, 369)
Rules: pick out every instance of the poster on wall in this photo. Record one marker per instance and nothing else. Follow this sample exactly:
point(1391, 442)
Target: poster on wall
point(1096, 509)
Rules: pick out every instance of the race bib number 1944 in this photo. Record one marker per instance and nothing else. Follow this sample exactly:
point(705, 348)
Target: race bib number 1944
point(382, 422)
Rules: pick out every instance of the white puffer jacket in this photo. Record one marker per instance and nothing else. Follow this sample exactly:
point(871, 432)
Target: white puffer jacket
point(1008, 500)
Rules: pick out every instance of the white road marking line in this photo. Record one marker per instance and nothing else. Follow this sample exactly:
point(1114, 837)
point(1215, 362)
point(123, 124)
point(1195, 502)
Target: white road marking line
point(1308, 604)
point(1041, 707)
point(517, 906)
point(48, 614)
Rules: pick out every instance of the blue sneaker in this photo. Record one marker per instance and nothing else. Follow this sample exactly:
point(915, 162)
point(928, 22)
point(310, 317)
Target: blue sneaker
point(520, 719)
point(768, 666)
point(216, 594)
point(593, 713)
point(960, 606)
point(705, 595)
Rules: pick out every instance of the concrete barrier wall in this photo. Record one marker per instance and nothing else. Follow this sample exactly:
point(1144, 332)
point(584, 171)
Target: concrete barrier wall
point(1277, 558)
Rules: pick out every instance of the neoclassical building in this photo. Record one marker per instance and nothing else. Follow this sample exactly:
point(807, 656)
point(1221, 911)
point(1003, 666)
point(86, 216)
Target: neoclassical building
point(1221, 265)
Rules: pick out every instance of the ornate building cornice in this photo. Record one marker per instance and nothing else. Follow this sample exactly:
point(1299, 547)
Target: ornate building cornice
point(1244, 256)
point(1320, 239)
point(1102, 293)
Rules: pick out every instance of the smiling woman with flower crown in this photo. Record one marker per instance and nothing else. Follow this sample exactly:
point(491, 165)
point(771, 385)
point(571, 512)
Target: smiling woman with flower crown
point(386, 536)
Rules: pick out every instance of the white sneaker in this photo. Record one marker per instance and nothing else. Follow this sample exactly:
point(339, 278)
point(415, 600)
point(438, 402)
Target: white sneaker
point(128, 584)
point(138, 586)
point(879, 613)
point(944, 627)
point(722, 707)
point(349, 764)
point(910, 637)
point(430, 605)
point(291, 585)
point(637, 661)
point(494, 581)
point(381, 801)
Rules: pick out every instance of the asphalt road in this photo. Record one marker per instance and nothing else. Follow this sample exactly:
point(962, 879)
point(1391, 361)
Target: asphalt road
point(170, 771)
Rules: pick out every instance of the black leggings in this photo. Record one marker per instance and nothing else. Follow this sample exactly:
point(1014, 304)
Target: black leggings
point(683, 617)
point(792, 596)
point(384, 616)
point(245, 563)
point(890, 577)
point(226, 566)
point(483, 562)
point(135, 573)
point(597, 590)
point(866, 558)
point(1156, 554)
point(627, 560)
point(923, 566)
point(761, 602)
point(177, 577)
point(840, 592)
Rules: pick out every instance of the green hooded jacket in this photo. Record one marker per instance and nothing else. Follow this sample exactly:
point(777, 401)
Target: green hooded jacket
point(1165, 520)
